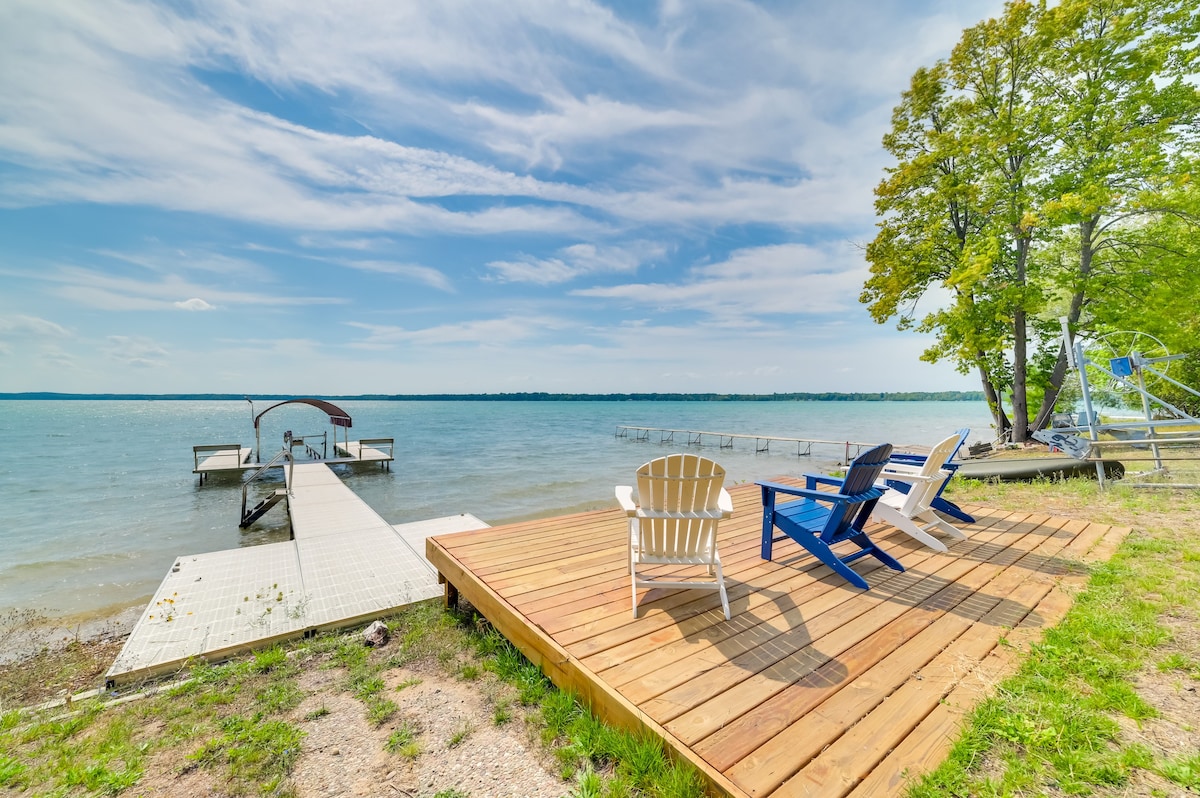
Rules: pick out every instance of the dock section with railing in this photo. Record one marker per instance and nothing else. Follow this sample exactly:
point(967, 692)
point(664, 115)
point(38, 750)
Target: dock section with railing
point(725, 440)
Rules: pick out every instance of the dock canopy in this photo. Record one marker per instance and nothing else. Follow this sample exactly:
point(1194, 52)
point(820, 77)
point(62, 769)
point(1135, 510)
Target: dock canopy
point(337, 416)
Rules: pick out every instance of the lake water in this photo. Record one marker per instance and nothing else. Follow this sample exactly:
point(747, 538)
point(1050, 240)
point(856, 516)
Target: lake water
point(99, 498)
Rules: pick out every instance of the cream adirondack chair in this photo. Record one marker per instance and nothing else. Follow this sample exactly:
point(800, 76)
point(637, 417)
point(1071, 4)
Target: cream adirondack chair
point(673, 521)
point(912, 512)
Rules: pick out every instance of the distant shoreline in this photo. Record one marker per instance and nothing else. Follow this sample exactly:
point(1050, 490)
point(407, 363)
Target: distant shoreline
point(830, 396)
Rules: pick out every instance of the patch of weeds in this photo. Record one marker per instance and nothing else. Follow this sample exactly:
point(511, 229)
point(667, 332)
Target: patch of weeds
point(453, 792)
point(254, 750)
point(641, 757)
point(319, 712)
point(279, 696)
point(531, 685)
point(407, 683)
point(588, 783)
point(380, 710)
point(460, 734)
point(1184, 771)
point(10, 771)
point(269, 660)
point(502, 713)
point(365, 684)
point(10, 720)
point(469, 672)
point(403, 742)
point(558, 710)
point(1177, 661)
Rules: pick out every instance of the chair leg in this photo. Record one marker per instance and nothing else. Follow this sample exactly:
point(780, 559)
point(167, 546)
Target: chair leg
point(768, 536)
point(868, 546)
point(890, 515)
point(724, 595)
point(633, 580)
point(953, 510)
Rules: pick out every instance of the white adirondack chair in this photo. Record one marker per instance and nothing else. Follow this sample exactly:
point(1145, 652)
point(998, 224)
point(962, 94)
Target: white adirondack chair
point(912, 512)
point(673, 521)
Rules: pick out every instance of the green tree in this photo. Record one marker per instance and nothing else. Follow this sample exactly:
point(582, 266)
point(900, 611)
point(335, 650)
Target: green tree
point(1027, 165)
point(1123, 115)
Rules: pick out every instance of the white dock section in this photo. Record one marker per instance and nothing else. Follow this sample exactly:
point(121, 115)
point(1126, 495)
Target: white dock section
point(221, 457)
point(366, 450)
point(344, 565)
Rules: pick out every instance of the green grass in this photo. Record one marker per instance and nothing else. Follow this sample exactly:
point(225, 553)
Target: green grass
point(404, 742)
point(1055, 722)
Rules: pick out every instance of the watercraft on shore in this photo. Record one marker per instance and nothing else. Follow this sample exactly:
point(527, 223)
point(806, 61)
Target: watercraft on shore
point(1024, 469)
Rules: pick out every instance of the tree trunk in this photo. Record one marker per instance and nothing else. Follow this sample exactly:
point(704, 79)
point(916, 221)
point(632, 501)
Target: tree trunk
point(1020, 403)
point(993, 399)
point(1020, 397)
point(1087, 250)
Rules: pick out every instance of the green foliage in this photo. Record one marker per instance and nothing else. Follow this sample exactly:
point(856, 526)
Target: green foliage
point(1043, 170)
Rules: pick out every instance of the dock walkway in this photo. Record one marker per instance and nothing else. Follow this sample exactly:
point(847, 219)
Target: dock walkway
point(345, 565)
point(762, 443)
point(813, 687)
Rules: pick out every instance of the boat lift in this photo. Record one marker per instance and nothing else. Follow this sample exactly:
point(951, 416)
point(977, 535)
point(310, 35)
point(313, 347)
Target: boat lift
point(1127, 371)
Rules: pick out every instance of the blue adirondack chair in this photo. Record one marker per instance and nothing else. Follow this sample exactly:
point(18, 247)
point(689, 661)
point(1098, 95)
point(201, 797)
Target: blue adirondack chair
point(820, 520)
point(944, 505)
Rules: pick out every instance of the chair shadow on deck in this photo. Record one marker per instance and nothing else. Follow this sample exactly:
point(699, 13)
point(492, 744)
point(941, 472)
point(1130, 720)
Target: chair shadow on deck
point(768, 644)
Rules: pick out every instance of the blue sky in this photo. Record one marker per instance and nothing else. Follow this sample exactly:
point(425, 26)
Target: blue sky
point(382, 196)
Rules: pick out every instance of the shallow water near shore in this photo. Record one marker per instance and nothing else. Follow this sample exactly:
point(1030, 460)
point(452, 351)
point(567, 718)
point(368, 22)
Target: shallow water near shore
point(99, 497)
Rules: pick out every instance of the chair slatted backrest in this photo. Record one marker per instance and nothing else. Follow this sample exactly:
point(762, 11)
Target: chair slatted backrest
point(859, 481)
point(921, 495)
point(939, 455)
point(678, 496)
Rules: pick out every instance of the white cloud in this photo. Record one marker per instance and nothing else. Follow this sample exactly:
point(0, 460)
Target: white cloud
point(788, 279)
point(119, 293)
point(136, 351)
point(31, 326)
point(574, 261)
point(195, 303)
point(480, 332)
point(413, 272)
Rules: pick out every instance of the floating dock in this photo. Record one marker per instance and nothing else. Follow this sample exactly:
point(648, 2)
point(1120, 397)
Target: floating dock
point(762, 443)
point(345, 565)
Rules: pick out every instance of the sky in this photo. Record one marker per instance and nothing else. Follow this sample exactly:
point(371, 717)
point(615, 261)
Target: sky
point(383, 196)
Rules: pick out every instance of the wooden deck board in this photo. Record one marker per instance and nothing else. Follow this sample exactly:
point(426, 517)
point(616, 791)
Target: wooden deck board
point(813, 687)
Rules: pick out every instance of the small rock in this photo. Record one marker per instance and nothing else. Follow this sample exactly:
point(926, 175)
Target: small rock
point(376, 634)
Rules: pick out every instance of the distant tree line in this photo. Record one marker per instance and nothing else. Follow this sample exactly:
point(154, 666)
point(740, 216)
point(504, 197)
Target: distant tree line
point(828, 396)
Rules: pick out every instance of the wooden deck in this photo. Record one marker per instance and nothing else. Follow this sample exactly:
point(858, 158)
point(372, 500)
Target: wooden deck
point(813, 687)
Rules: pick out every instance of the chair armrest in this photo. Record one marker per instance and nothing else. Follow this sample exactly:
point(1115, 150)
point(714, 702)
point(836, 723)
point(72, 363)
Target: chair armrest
point(812, 480)
point(625, 499)
point(902, 468)
point(725, 503)
point(912, 479)
point(808, 493)
point(908, 459)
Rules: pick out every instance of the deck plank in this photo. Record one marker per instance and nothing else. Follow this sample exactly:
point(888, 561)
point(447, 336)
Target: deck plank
point(809, 672)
